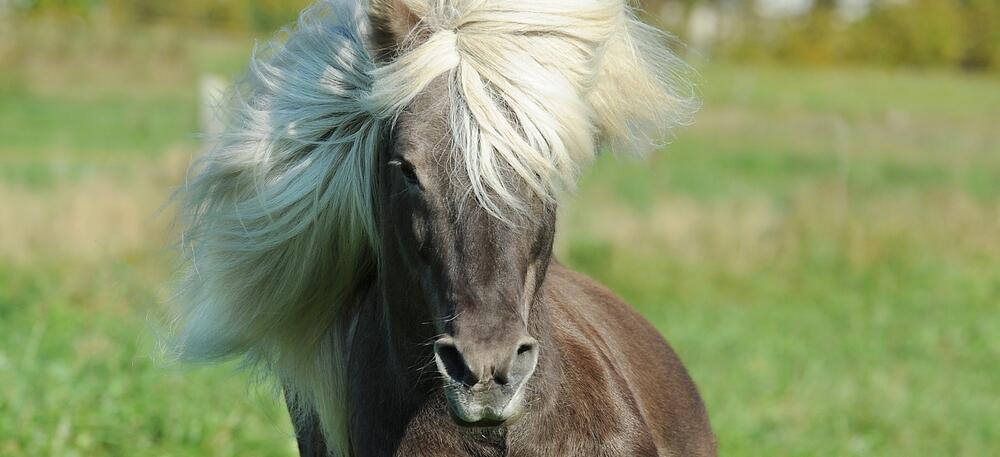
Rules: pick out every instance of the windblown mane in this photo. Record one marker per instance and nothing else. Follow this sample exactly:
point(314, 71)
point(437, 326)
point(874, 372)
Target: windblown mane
point(534, 84)
point(280, 234)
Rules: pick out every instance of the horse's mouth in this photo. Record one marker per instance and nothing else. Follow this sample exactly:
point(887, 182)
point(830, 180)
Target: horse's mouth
point(493, 408)
point(483, 423)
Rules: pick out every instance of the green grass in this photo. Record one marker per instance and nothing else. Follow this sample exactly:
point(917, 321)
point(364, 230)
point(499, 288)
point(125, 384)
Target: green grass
point(82, 379)
point(821, 248)
point(101, 125)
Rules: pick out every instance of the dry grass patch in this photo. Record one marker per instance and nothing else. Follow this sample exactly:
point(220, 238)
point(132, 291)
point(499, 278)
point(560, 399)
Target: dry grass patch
point(753, 232)
point(85, 221)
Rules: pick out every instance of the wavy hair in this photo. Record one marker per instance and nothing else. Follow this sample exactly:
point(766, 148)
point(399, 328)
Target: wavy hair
point(534, 84)
point(280, 236)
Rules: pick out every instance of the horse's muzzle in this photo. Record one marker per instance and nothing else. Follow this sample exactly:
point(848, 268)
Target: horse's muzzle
point(485, 387)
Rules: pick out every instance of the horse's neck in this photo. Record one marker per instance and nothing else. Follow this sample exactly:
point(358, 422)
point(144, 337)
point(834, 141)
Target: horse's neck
point(393, 335)
point(391, 366)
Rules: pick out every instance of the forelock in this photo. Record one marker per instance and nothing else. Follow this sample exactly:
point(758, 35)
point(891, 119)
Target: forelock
point(530, 88)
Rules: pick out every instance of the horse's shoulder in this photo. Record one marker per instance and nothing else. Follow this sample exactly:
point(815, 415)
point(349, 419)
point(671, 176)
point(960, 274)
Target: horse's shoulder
point(578, 293)
point(653, 373)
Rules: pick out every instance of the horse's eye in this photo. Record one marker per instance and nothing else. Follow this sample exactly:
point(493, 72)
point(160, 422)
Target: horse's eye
point(406, 168)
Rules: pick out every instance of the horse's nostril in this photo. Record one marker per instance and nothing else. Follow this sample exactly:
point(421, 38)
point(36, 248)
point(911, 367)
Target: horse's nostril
point(482, 367)
point(453, 362)
point(528, 347)
point(501, 377)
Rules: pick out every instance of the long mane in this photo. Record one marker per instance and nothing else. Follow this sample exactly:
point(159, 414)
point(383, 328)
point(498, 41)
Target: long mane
point(280, 236)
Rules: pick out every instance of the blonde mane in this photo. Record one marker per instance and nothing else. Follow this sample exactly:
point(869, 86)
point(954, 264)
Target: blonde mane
point(535, 84)
point(280, 233)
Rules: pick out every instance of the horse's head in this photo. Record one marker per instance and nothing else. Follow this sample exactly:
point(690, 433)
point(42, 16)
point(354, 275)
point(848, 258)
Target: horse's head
point(477, 274)
point(496, 107)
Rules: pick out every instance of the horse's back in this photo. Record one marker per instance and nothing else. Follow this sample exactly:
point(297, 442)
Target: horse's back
point(665, 395)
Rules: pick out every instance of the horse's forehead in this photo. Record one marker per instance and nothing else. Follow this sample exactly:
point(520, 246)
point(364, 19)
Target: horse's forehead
point(424, 136)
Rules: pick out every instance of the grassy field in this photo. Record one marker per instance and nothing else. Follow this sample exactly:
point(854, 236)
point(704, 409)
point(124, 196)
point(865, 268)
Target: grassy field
point(822, 248)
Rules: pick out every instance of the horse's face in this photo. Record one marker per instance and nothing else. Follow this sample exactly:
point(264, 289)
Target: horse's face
point(477, 274)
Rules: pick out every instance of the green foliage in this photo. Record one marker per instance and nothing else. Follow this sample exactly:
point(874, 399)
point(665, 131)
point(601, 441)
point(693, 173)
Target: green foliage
point(816, 38)
point(981, 34)
point(917, 33)
point(914, 33)
point(243, 15)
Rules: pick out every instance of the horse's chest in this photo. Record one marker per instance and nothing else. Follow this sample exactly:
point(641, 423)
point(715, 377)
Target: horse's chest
point(438, 436)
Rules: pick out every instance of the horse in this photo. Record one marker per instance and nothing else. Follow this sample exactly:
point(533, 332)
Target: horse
point(374, 227)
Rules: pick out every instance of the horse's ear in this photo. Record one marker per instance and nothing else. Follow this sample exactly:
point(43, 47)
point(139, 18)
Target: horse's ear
point(392, 22)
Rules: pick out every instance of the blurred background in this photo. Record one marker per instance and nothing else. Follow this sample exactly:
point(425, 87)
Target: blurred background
point(822, 246)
